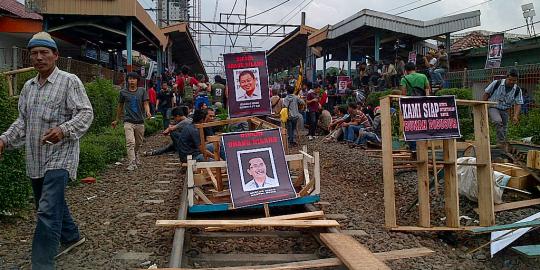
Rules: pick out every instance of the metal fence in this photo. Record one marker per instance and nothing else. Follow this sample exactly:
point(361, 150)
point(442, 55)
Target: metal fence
point(529, 77)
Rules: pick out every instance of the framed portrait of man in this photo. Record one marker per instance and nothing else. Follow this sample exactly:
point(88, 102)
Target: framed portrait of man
point(257, 168)
point(247, 84)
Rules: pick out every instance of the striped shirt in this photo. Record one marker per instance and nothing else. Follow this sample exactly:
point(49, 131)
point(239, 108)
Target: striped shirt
point(505, 97)
point(60, 102)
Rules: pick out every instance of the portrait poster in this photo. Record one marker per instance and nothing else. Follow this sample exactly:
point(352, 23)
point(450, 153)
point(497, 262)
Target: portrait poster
point(412, 57)
point(247, 83)
point(495, 51)
point(342, 84)
point(429, 118)
point(257, 169)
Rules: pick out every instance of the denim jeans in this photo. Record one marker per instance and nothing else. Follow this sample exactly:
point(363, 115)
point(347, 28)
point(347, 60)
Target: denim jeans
point(351, 131)
point(291, 128)
point(312, 120)
point(500, 119)
point(166, 113)
point(438, 76)
point(210, 148)
point(365, 137)
point(54, 222)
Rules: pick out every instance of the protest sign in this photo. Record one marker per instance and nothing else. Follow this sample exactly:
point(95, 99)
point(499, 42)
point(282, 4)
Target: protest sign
point(247, 82)
point(429, 118)
point(412, 57)
point(257, 168)
point(342, 84)
point(495, 50)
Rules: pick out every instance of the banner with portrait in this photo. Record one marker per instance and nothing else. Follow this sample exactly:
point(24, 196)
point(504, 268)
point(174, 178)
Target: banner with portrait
point(247, 83)
point(429, 118)
point(342, 82)
point(257, 169)
point(412, 57)
point(495, 50)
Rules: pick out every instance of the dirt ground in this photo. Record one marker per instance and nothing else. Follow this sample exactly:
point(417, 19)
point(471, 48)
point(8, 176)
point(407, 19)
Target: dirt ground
point(117, 218)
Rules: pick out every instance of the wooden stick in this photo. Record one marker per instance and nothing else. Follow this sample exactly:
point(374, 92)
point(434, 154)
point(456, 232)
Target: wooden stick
point(247, 223)
point(351, 253)
point(299, 216)
point(516, 205)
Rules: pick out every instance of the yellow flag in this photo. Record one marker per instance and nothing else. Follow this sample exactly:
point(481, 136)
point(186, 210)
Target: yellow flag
point(298, 85)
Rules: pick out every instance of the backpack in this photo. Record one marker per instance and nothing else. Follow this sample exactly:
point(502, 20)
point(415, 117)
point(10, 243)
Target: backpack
point(188, 90)
point(200, 100)
point(498, 83)
point(416, 91)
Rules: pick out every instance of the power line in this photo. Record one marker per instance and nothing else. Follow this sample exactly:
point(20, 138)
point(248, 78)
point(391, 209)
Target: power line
point(410, 3)
point(283, 18)
point(415, 8)
point(235, 1)
point(468, 7)
point(262, 12)
point(299, 10)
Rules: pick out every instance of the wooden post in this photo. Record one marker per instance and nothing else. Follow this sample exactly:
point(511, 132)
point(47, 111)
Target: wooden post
point(423, 183)
point(191, 181)
point(388, 165)
point(451, 193)
point(317, 173)
point(483, 173)
point(218, 169)
point(435, 176)
point(10, 85)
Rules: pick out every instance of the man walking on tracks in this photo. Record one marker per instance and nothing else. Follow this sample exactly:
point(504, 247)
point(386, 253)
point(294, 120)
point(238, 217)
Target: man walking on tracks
point(54, 113)
point(507, 94)
point(134, 105)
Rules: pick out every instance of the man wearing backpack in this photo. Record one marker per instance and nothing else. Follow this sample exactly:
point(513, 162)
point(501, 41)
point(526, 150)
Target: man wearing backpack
point(507, 94)
point(186, 85)
point(413, 83)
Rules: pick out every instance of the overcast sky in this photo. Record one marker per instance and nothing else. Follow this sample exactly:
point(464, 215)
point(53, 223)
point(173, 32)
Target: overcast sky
point(497, 15)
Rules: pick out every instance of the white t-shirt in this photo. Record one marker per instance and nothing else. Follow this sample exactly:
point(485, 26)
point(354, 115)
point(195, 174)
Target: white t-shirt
point(433, 61)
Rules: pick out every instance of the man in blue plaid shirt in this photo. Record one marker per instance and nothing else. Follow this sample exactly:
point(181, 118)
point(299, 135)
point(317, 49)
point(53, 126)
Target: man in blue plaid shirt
point(507, 95)
point(54, 113)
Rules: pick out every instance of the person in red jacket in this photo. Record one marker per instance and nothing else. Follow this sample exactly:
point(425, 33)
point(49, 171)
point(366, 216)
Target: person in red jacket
point(152, 96)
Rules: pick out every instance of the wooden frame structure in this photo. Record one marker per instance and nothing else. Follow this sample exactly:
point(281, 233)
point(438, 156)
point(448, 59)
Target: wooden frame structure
point(449, 163)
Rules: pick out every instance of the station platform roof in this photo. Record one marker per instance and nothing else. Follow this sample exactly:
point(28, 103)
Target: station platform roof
point(184, 51)
point(290, 50)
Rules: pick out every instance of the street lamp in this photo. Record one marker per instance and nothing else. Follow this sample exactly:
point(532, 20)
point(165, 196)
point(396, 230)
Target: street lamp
point(528, 14)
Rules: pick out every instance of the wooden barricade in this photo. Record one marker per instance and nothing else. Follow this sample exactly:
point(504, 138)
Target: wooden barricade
point(449, 163)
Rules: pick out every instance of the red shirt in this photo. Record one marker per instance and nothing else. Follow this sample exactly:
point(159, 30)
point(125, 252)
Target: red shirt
point(313, 106)
point(180, 82)
point(324, 98)
point(152, 95)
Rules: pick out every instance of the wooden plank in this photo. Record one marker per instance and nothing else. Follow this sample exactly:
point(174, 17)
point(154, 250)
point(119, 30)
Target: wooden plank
point(223, 164)
point(247, 223)
point(201, 195)
point(213, 178)
point(308, 156)
point(530, 251)
point(422, 172)
point(484, 173)
point(190, 180)
point(516, 205)
point(351, 253)
point(388, 165)
point(306, 189)
point(299, 216)
point(434, 162)
point(451, 190)
point(458, 101)
point(403, 254)
point(416, 228)
point(317, 173)
point(519, 225)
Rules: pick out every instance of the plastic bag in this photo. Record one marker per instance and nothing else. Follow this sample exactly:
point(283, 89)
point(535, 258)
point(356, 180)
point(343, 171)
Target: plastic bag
point(468, 186)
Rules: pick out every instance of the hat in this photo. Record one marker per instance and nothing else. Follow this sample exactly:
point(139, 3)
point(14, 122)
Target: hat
point(42, 39)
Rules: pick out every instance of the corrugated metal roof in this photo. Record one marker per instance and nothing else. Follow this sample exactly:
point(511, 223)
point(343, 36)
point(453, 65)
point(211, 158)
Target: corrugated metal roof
point(423, 29)
point(18, 10)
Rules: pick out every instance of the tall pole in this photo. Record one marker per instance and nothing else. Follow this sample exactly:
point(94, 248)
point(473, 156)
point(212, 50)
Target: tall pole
point(349, 56)
point(129, 44)
point(168, 12)
point(377, 46)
